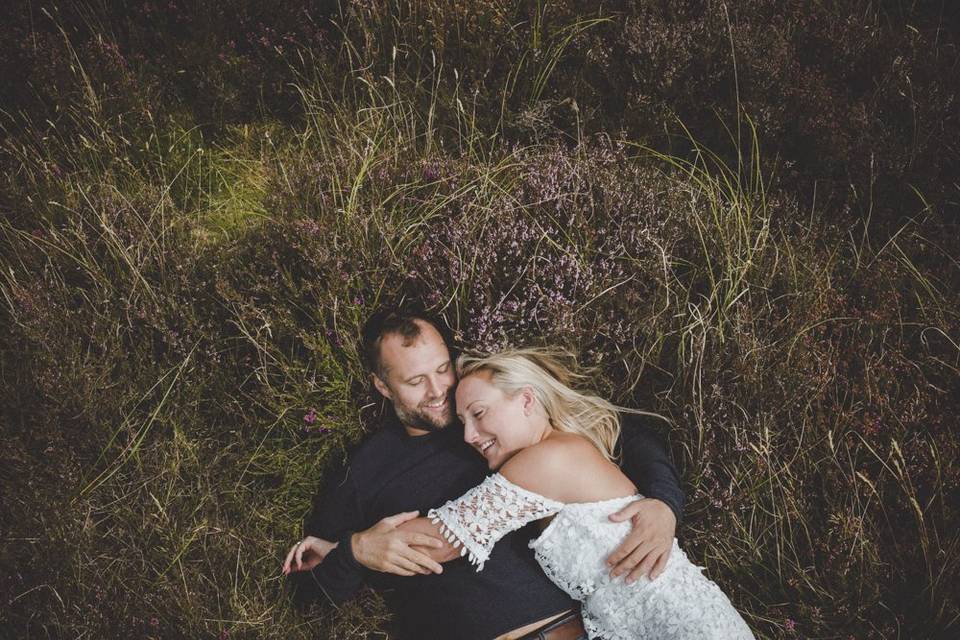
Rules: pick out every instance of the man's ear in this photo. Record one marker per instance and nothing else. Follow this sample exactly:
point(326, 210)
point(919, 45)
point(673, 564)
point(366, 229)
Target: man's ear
point(381, 386)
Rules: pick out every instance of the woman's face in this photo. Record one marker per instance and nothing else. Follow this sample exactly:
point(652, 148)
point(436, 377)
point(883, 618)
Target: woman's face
point(495, 424)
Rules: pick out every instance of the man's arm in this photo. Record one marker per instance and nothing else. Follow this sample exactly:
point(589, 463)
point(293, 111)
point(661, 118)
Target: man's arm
point(646, 463)
point(336, 514)
point(646, 549)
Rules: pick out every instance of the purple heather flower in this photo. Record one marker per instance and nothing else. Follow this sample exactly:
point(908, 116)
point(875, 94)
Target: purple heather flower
point(310, 417)
point(314, 430)
point(790, 624)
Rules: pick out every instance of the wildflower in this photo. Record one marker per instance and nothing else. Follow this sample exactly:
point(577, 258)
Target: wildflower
point(154, 622)
point(310, 417)
point(307, 431)
point(790, 624)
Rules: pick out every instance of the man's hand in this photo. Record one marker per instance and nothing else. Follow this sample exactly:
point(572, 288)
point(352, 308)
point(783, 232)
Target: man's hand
point(384, 548)
point(647, 547)
point(307, 554)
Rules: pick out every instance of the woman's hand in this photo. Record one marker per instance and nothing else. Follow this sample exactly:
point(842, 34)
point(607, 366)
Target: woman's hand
point(307, 554)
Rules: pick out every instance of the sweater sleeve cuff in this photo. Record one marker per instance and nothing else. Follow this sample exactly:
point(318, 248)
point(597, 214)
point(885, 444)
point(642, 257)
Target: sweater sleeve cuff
point(339, 576)
point(345, 546)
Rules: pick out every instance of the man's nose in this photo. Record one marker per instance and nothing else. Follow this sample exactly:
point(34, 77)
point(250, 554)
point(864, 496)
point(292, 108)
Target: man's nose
point(434, 388)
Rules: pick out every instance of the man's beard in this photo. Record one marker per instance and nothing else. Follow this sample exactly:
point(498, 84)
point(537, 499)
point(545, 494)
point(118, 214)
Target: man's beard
point(419, 419)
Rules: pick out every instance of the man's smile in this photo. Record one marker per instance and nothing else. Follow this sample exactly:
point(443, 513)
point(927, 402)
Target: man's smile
point(440, 405)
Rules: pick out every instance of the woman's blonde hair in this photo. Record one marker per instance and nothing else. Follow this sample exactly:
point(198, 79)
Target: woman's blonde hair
point(553, 375)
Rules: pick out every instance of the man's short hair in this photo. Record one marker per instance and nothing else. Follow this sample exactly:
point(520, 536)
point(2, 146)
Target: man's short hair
point(386, 322)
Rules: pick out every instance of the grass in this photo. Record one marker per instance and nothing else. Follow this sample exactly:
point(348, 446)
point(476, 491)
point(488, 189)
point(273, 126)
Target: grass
point(176, 295)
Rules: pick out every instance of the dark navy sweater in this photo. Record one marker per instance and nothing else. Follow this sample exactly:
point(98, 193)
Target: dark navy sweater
point(391, 472)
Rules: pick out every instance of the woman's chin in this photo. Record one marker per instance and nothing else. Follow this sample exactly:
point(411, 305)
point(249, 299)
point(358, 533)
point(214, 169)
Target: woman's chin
point(496, 462)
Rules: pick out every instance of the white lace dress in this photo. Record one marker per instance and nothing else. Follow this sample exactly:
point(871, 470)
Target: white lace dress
point(680, 603)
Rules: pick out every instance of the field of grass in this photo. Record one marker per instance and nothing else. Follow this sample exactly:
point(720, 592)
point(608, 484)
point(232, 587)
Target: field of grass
point(745, 214)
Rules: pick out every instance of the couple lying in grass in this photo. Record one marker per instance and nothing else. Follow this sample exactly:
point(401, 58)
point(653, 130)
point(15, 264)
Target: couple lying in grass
point(557, 543)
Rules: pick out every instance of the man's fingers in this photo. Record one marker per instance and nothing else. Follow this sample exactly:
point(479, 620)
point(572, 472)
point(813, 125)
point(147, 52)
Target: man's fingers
point(627, 512)
point(425, 561)
point(661, 564)
point(632, 560)
point(423, 540)
point(629, 544)
point(411, 562)
point(643, 569)
point(409, 566)
point(398, 570)
point(399, 518)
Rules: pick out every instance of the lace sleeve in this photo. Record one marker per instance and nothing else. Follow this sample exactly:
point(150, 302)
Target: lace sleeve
point(486, 513)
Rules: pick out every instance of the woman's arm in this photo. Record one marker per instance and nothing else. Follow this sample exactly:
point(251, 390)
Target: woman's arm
point(531, 486)
point(444, 553)
point(473, 523)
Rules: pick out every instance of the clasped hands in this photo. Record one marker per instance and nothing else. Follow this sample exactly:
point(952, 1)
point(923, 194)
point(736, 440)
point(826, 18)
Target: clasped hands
point(387, 548)
point(383, 547)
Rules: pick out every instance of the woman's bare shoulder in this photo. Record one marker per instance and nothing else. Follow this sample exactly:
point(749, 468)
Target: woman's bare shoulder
point(558, 449)
point(559, 467)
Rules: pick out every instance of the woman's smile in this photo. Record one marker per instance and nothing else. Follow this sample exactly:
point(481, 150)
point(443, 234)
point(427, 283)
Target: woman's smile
point(483, 446)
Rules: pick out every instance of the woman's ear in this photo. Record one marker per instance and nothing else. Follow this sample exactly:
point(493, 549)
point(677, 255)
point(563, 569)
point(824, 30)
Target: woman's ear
point(529, 400)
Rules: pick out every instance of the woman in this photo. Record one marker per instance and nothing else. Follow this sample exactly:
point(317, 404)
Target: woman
point(553, 448)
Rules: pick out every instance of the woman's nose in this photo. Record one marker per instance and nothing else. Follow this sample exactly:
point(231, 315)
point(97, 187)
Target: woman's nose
point(469, 433)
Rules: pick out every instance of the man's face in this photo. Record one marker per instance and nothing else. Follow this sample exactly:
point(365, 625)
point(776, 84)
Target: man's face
point(419, 380)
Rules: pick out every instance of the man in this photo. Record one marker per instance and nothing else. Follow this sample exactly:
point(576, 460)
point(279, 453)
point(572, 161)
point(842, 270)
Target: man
point(419, 461)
